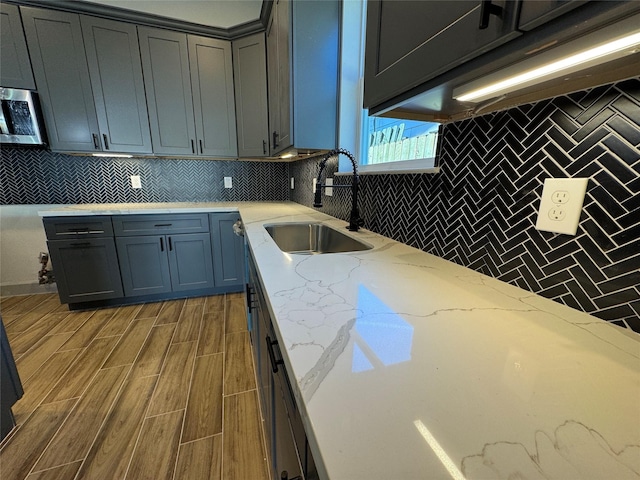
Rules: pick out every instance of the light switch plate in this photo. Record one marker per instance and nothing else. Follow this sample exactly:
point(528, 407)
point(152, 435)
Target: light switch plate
point(135, 181)
point(228, 183)
point(328, 190)
point(292, 183)
point(561, 205)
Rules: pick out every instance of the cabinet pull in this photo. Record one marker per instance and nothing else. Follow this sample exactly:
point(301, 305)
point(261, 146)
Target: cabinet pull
point(163, 224)
point(247, 290)
point(106, 142)
point(284, 475)
point(264, 147)
point(170, 245)
point(193, 147)
point(161, 244)
point(201, 150)
point(272, 355)
point(81, 244)
point(96, 142)
point(275, 139)
point(487, 9)
point(79, 230)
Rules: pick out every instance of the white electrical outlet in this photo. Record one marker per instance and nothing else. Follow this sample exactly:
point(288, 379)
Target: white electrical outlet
point(315, 180)
point(135, 181)
point(292, 183)
point(328, 190)
point(228, 183)
point(561, 205)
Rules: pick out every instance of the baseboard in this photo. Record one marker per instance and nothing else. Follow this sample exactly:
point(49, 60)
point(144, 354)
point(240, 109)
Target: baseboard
point(27, 289)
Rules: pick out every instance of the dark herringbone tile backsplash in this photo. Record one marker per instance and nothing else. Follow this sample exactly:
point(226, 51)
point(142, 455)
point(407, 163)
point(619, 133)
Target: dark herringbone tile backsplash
point(37, 176)
point(480, 211)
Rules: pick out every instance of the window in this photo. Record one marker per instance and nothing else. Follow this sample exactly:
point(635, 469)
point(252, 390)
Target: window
point(387, 145)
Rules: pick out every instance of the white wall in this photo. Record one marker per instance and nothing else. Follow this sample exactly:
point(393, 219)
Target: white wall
point(22, 238)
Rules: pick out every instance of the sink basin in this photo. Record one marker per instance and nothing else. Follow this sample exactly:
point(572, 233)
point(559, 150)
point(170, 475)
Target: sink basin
point(312, 239)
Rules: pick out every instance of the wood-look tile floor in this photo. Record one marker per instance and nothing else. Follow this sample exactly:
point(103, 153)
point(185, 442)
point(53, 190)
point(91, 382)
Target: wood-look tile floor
point(156, 391)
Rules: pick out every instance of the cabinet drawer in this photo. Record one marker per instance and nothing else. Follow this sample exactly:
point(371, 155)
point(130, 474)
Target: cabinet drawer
point(130, 225)
point(69, 228)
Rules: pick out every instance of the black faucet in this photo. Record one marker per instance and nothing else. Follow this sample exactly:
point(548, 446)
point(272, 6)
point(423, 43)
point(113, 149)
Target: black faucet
point(354, 217)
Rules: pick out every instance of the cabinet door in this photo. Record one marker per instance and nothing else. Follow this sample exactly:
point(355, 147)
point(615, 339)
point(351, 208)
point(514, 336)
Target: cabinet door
point(144, 265)
point(86, 270)
point(113, 57)
point(279, 73)
point(62, 77)
point(213, 100)
point(410, 42)
point(15, 68)
point(190, 261)
point(250, 80)
point(228, 250)
point(165, 64)
point(286, 454)
point(536, 12)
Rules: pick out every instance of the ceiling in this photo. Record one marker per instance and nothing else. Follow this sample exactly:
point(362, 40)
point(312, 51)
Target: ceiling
point(211, 13)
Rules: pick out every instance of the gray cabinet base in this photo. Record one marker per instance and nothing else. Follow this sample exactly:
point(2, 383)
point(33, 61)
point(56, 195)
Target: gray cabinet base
point(118, 302)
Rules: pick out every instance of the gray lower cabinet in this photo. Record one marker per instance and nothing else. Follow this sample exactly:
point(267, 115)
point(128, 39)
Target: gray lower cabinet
point(189, 88)
point(156, 264)
point(86, 269)
point(10, 386)
point(228, 250)
point(92, 99)
point(409, 42)
point(286, 442)
point(15, 68)
point(250, 81)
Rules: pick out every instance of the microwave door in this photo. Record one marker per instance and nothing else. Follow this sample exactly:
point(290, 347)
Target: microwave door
point(18, 120)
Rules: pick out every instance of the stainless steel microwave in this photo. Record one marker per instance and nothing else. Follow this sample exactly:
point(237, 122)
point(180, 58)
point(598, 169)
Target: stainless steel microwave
point(20, 120)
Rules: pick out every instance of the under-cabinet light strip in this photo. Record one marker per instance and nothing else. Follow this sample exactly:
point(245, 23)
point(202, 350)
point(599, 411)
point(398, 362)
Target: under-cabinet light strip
point(556, 67)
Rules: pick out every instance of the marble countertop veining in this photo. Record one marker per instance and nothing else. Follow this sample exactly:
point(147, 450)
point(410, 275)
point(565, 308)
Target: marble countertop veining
point(407, 366)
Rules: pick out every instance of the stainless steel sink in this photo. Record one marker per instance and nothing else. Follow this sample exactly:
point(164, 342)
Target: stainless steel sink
point(312, 239)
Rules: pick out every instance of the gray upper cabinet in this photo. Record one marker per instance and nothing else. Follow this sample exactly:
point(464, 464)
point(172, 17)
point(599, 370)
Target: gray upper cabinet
point(15, 68)
point(62, 77)
point(213, 97)
point(113, 57)
point(410, 42)
point(189, 88)
point(165, 63)
point(303, 81)
point(250, 80)
point(536, 12)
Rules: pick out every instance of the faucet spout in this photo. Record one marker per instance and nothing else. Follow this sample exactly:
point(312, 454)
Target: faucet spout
point(354, 217)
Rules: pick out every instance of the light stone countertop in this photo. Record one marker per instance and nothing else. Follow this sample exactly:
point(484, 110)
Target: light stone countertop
point(407, 366)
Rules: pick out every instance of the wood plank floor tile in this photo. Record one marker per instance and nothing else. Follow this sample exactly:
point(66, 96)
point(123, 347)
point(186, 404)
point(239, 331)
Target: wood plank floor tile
point(110, 454)
point(238, 374)
point(204, 408)
point(63, 472)
point(20, 454)
point(23, 323)
point(75, 380)
point(149, 310)
point(49, 304)
point(27, 304)
point(173, 386)
point(7, 303)
point(89, 329)
point(189, 323)
point(242, 449)
point(31, 361)
point(200, 459)
point(195, 301)
point(73, 440)
point(24, 341)
point(120, 321)
point(69, 321)
point(214, 303)
point(152, 354)
point(41, 382)
point(155, 455)
point(235, 313)
point(130, 344)
point(211, 333)
point(170, 312)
